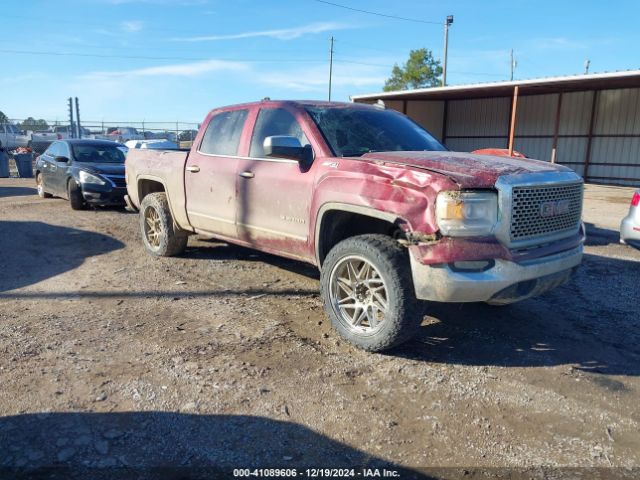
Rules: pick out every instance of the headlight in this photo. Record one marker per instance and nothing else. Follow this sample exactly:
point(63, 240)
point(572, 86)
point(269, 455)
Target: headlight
point(86, 177)
point(467, 214)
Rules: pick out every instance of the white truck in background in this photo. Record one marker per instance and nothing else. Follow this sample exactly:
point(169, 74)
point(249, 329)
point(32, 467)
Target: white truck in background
point(11, 137)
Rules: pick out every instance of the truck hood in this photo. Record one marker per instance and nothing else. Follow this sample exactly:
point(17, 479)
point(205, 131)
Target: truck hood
point(466, 169)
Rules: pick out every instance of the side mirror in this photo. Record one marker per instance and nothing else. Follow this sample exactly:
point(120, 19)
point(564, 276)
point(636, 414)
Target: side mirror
point(285, 146)
point(61, 159)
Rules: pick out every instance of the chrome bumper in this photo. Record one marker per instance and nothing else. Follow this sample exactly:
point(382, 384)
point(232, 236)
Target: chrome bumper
point(506, 282)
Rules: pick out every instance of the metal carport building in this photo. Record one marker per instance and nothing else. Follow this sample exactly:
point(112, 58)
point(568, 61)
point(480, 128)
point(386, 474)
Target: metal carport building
point(590, 123)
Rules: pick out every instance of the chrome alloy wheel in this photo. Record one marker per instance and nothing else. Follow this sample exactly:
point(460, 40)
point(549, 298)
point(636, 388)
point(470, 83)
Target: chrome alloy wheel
point(40, 185)
point(152, 227)
point(358, 295)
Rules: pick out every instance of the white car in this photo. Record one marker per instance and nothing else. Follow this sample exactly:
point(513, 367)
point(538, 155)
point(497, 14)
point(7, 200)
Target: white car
point(11, 137)
point(152, 144)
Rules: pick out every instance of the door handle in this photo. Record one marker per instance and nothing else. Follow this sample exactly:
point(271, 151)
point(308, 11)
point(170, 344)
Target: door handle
point(247, 175)
point(193, 168)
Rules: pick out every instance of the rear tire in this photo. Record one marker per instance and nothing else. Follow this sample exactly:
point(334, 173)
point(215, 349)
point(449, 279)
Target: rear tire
point(368, 293)
point(74, 193)
point(40, 186)
point(160, 235)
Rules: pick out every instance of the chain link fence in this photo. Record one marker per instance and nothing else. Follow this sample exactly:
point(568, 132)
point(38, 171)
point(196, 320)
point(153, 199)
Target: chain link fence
point(18, 136)
point(37, 135)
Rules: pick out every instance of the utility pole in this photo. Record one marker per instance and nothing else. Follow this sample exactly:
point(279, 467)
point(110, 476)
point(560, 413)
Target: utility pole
point(447, 23)
point(514, 64)
point(71, 124)
point(78, 118)
point(587, 63)
point(330, 64)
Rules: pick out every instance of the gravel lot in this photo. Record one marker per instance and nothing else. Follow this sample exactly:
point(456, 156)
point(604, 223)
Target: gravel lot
point(223, 358)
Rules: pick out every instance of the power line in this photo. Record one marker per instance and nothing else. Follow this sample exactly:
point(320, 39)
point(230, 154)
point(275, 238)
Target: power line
point(379, 14)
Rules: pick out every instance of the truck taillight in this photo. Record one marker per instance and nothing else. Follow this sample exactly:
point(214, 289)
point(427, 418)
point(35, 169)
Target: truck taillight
point(635, 200)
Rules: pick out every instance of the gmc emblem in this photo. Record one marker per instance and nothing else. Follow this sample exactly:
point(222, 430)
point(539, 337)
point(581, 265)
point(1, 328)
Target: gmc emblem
point(551, 209)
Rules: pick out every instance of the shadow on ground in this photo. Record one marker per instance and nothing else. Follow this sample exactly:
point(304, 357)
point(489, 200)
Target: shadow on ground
point(34, 251)
point(165, 445)
point(591, 322)
point(601, 236)
point(17, 191)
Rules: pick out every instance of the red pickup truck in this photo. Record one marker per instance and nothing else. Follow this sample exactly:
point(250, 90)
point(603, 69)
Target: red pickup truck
point(387, 213)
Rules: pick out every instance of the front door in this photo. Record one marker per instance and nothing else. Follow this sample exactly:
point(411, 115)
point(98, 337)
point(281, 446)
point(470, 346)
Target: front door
point(210, 176)
point(274, 194)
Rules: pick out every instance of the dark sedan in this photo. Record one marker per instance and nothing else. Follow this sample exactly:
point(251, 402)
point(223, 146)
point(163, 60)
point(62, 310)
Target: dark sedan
point(83, 171)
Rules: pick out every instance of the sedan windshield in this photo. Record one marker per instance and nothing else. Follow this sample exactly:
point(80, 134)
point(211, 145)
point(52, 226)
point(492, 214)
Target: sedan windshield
point(351, 132)
point(97, 153)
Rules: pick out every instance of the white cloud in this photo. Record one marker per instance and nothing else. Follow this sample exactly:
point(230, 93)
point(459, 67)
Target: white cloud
point(177, 70)
point(132, 25)
point(554, 43)
point(280, 34)
point(316, 79)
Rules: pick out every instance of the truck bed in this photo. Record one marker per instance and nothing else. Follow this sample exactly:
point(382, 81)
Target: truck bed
point(166, 167)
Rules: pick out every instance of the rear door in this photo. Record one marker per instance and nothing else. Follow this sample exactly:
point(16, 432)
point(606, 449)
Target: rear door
point(50, 168)
point(210, 176)
point(59, 173)
point(274, 194)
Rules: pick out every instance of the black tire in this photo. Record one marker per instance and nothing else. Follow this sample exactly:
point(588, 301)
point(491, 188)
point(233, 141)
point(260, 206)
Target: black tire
point(164, 238)
point(76, 200)
point(40, 186)
point(402, 316)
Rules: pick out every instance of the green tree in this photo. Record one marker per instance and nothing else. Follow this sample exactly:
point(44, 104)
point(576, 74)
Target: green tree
point(420, 71)
point(3, 117)
point(34, 125)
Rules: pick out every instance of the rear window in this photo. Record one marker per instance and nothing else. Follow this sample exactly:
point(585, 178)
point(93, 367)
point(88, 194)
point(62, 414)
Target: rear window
point(223, 133)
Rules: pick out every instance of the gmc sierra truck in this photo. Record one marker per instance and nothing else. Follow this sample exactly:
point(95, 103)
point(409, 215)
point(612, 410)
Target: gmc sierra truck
point(385, 211)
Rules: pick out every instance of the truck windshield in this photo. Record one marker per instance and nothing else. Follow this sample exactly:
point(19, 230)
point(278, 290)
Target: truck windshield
point(352, 132)
point(97, 154)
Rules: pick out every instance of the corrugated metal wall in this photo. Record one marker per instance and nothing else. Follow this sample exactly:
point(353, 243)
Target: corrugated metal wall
point(596, 133)
point(477, 123)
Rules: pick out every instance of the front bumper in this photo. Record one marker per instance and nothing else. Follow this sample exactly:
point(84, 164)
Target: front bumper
point(505, 282)
point(103, 195)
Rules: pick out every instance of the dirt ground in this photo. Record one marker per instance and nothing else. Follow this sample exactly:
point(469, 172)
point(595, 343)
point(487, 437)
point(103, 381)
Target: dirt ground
point(223, 358)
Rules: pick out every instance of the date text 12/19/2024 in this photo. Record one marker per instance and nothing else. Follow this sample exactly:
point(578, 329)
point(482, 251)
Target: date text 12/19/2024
point(316, 473)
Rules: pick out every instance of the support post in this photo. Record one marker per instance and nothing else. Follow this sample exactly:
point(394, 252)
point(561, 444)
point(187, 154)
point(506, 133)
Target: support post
point(514, 111)
point(556, 130)
point(592, 123)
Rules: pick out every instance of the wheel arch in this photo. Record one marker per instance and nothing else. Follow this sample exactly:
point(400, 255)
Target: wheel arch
point(338, 221)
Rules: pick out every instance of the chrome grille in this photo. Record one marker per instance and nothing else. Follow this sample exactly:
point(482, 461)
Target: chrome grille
point(534, 210)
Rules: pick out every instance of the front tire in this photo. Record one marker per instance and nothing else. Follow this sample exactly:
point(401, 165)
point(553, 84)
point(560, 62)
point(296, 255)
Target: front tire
point(368, 292)
point(40, 187)
point(161, 236)
point(76, 200)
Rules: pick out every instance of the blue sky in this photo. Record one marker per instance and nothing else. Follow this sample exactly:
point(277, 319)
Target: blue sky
point(200, 54)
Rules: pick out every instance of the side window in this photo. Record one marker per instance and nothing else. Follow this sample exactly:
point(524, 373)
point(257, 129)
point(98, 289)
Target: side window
point(274, 121)
point(64, 150)
point(223, 133)
point(53, 149)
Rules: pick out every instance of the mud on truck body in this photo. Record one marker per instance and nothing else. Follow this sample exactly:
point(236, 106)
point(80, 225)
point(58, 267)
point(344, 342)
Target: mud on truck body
point(388, 215)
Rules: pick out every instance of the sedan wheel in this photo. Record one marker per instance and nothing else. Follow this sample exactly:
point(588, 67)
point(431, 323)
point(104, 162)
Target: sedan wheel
point(40, 187)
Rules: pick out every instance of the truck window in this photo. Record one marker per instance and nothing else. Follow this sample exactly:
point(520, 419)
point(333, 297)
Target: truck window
point(274, 121)
point(351, 132)
point(223, 133)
